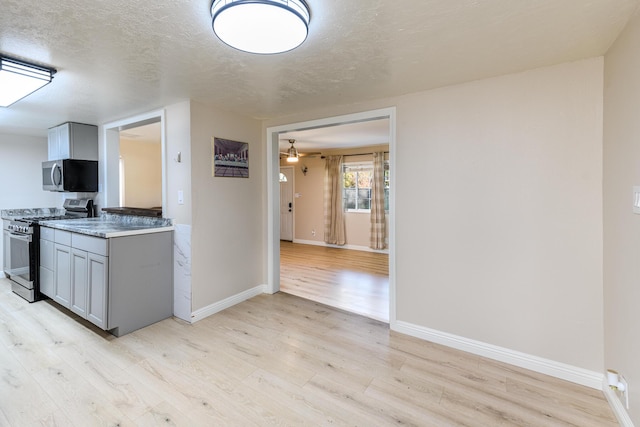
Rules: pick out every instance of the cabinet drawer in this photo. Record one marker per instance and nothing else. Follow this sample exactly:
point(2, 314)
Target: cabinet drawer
point(46, 253)
point(47, 233)
point(96, 245)
point(63, 237)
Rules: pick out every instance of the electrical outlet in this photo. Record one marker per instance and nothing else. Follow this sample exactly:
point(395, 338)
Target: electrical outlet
point(313, 232)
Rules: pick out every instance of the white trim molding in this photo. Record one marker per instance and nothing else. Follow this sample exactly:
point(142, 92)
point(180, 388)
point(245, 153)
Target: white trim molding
point(217, 307)
point(273, 191)
point(350, 247)
point(534, 363)
point(616, 405)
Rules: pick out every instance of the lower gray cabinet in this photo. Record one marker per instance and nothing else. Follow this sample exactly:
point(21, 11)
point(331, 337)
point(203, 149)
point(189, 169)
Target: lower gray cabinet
point(97, 288)
point(73, 275)
point(47, 257)
point(119, 283)
point(89, 280)
point(62, 275)
point(79, 282)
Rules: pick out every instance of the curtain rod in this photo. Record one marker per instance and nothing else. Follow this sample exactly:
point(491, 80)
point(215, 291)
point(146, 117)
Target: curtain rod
point(350, 155)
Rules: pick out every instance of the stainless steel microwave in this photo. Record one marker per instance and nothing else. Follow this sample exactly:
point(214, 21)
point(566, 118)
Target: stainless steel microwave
point(71, 175)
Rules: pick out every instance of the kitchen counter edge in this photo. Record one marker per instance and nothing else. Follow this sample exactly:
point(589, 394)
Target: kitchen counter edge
point(107, 233)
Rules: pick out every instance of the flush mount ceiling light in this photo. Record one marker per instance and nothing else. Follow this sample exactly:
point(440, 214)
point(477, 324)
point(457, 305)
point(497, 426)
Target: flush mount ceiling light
point(19, 79)
point(292, 155)
point(261, 26)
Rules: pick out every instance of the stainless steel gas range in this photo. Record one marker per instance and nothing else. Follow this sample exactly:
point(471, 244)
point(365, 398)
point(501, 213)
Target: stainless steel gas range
point(24, 247)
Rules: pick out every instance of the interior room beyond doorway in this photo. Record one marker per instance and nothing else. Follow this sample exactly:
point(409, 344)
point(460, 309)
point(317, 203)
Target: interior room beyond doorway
point(352, 276)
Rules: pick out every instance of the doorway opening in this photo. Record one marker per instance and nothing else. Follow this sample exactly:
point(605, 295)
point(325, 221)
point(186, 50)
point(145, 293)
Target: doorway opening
point(135, 154)
point(347, 278)
point(287, 218)
point(141, 167)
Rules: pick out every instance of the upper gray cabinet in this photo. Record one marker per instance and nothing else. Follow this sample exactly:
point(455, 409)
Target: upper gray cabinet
point(73, 141)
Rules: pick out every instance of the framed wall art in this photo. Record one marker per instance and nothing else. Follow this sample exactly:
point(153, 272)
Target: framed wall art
point(229, 158)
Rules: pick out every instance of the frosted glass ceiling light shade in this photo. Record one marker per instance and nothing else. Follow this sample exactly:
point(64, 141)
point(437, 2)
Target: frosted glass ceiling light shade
point(19, 79)
point(261, 26)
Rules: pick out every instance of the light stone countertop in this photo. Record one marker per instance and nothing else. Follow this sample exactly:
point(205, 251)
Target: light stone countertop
point(11, 214)
point(108, 226)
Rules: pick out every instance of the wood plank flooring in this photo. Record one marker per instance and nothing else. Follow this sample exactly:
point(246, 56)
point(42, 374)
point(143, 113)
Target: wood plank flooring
point(272, 360)
point(356, 281)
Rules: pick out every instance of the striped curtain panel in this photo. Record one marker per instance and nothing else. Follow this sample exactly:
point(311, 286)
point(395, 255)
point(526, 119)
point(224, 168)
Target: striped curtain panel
point(334, 230)
point(378, 228)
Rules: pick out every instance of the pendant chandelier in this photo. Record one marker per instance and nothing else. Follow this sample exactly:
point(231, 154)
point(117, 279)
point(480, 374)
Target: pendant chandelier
point(261, 26)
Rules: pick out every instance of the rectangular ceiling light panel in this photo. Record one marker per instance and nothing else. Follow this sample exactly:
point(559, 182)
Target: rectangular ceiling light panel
point(19, 79)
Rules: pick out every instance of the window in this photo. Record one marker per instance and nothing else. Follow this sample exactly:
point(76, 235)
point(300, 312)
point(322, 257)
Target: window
point(357, 178)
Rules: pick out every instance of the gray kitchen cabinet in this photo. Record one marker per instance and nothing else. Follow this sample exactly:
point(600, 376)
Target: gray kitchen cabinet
point(73, 141)
point(97, 288)
point(79, 282)
point(120, 284)
point(74, 272)
point(89, 280)
point(62, 274)
point(140, 281)
point(47, 262)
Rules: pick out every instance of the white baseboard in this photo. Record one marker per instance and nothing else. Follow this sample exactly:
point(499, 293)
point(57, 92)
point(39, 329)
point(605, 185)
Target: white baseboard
point(351, 247)
point(616, 406)
point(227, 302)
point(538, 364)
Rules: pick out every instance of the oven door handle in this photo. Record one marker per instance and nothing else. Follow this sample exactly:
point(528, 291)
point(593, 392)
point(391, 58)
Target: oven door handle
point(22, 237)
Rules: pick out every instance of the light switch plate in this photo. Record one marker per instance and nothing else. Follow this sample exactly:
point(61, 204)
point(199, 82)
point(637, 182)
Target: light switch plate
point(636, 199)
point(180, 197)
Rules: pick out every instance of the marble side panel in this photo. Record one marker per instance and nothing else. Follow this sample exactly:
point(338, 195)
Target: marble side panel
point(182, 272)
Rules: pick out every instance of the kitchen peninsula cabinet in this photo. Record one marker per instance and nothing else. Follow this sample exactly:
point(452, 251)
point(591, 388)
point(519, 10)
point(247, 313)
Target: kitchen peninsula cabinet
point(47, 260)
point(73, 141)
point(62, 274)
point(119, 284)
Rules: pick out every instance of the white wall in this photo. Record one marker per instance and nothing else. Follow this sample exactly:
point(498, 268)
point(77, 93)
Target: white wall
point(227, 245)
point(178, 140)
point(621, 226)
point(511, 210)
point(21, 174)
point(143, 173)
point(500, 240)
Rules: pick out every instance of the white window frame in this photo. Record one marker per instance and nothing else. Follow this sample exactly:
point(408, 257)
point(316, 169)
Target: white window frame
point(365, 165)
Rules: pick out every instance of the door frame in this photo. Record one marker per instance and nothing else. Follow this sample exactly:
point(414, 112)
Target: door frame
point(273, 193)
point(293, 200)
point(110, 156)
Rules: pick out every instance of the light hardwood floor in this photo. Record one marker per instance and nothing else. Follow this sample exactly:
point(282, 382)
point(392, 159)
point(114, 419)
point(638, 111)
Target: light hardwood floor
point(272, 360)
point(356, 281)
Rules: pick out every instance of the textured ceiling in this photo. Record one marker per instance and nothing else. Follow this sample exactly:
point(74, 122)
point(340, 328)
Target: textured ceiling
point(116, 58)
point(360, 134)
